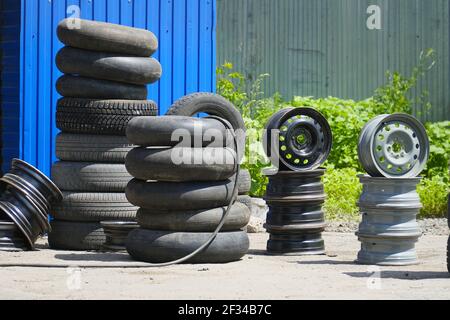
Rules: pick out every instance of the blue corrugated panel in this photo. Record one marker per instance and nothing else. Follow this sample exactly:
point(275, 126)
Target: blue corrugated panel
point(186, 32)
point(9, 80)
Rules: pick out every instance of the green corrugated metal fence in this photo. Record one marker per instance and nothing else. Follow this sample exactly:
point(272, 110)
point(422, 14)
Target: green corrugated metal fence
point(324, 48)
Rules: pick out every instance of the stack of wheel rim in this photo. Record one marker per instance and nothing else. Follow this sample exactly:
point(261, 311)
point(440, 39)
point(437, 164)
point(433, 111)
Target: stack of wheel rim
point(106, 70)
point(26, 199)
point(393, 149)
point(298, 141)
point(183, 190)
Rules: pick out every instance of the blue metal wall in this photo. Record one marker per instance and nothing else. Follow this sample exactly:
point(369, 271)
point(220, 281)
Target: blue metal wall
point(186, 33)
point(9, 79)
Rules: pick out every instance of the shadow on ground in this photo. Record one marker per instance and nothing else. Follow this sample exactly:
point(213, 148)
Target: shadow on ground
point(98, 257)
point(330, 262)
point(258, 252)
point(403, 275)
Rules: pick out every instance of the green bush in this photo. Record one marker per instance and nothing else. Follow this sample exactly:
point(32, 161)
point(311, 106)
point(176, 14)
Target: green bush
point(433, 195)
point(343, 189)
point(437, 165)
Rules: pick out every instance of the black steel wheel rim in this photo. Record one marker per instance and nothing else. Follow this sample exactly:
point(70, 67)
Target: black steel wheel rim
point(11, 238)
point(26, 197)
point(303, 136)
point(14, 180)
point(37, 179)
point(20, 221)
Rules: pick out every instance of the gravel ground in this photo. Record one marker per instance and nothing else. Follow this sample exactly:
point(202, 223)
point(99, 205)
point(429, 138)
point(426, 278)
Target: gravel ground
point(256, 276)
point(436, 227)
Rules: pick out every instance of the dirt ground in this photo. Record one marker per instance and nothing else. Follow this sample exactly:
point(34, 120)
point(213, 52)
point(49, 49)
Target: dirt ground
point(256, 276)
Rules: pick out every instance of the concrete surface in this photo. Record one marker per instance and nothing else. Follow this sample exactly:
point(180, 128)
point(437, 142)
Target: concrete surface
point(257, 276)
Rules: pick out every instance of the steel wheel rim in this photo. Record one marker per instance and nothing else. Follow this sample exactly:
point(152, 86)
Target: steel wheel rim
point(54, 193)
point(36, 208)
point(18, 219)
point(394, 146)
point(304, 138)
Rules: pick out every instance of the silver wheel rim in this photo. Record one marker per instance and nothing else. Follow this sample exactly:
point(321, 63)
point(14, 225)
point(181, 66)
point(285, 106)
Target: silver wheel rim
point(393, 146)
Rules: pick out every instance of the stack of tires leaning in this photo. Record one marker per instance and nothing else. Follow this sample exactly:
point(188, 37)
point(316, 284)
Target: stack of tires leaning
point(183, 189)
point(106, 69)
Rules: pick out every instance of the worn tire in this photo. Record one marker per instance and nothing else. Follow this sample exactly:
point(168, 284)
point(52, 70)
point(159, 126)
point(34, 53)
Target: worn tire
point(82, 87)
point(244, 181)
point(201, 164)
point(94, 207)
point(92, 148)
point(88, 176)
point(179, 195)
point(164, 246)
point(194, 221)
point(108, 37)
point(109, 117)
point(76, 236)
point(246, 200)
point(215, 105)
point(158, 132)
point(108, 66)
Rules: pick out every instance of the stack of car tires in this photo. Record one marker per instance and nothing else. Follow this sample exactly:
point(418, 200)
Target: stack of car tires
point(106, 71)
point(183, 190)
